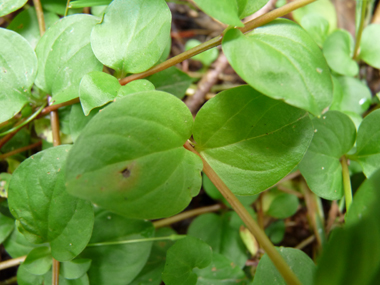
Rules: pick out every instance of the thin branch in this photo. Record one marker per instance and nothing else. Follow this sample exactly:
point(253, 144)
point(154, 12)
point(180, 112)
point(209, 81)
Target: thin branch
point(265, 243)
point(50, 108)
point(250, 25)
point(290, 191)
point(305, 242)
point(12, 262)
point(360, 29)
point(19, 150)
point(55, 274)
point(8, 137)
point(119, 242)
point(40, 16)
point(186, 215)
point(346, 183)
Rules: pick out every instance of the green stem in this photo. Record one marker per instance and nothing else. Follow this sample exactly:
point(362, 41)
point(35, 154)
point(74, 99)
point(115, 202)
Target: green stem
point(360, 29)
point(250, 25)
point(274, 255)
point(25, 122)
point(346, 183)
point(171, 237)
point(67, 8)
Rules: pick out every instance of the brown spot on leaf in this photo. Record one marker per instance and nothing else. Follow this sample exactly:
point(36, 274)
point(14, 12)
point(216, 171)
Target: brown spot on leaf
point(213, 269)
point(79, 176)
point(126, 173)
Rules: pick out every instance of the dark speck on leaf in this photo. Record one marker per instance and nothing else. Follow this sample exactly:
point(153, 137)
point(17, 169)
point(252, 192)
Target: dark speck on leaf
point(126, 173)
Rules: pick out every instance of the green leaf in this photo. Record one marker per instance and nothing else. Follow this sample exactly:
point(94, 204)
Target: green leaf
point(17, 245)
point(136, 41)
point(58, 7)
point(46, 212)
point(135, 86)
point(317, 26)
point(248, 7)
point(9, 6)
point(299, 262)
point(225, 11)
point(24, 277)
point(276, 231)
point(171, 80)
point(109, 163)
point(222, 234)
point(279, 205)
point(26, 24)
point(117, 264)
point(97, 89)
point(358, 240)
point(75, 269)
point(221, 271)
point(65, 56)
point(368, 143)
point(38, 261)
point(323, 8)
point(276, 64)
point(185, 255)
point(78, 120)
point(335, 135)
point(244, 135)
point(351, 95)
point(370, 45)
point(18, 67)
point(151, 273)
point(6, 227)
point(338, 49)
point(207, 57)
point(84, 280)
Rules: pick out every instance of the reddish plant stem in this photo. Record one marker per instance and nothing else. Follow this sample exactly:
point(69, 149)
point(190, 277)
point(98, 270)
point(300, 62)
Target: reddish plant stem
point(19, 150)
point(50, 108)
point(8, 137)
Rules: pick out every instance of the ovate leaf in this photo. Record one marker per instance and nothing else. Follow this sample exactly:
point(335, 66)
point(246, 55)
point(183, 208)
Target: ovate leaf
point(78, 120)
point(110, 162)
point(279, 205)
point(24, 277)
point(338, 49)
point(38, 261)
point(74, 269)
point(171, 80)
point(299, 262)
point(137, 40)
point(334, 136)
point(46, 212)
point(272, 60)
point(117, 264)
point(368, 143)
point(97, 89)
point(225, 11)
point(317, 26)
point(222, 235)
point(6, 227)
point(135, 86)
point(8, 6)
point(18, 67)
point(185, 255)
point(250, 140)
point(370, 45)
point(65, 56)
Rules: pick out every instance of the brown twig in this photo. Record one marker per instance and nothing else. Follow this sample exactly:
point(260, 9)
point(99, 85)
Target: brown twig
point(50, 108)
point(40, 16)
point(8, 137)
point(12, 262)
point(55, 276)
point(186, 215)
point(204, 86)
point(290, 191)
point(333, 214)
point(19, 150)
point(376, 15)
point(305, 242)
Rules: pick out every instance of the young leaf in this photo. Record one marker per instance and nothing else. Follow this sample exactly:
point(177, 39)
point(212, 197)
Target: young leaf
point(370, 45)
point(368, 143)
point(335, 135)
point(109, 163)
point(117, 264)
point(24, 277)
point(323, 8)
point(250, 140)
point(225, 11)
point(206, 57)
point(46, 212)
point(18, 67)
point(299, 262)
point(276, 64)
point(248, 7)
point(317, 26)
point(171, 80)
point(276, 231)
point(338, 49)
point(137, 41)
point(17, 245)
point(38, 261)
point(185, 255)
point(135, 86)
point(358, 240)
point(75, 269)
point(279, 205)
point(6, 227)
point(9, 6)
point(151, 273)
point(97, 89)
point(65, 56)
point(220, 271)
point(351, 95)
point(26, 24)
point(222, 235)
